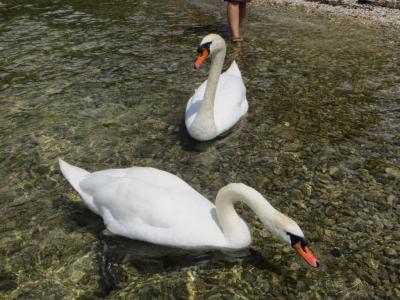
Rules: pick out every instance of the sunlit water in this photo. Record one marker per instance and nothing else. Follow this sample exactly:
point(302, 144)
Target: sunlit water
point(104, 84)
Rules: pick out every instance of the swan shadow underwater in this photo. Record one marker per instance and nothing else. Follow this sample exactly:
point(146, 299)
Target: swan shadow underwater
point(113, 252)
point(152, 258)
point(190, 144)
point(146, 256)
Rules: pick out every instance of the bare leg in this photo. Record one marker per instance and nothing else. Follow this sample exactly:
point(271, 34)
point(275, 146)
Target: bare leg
point(234, 19)
point(242, 13)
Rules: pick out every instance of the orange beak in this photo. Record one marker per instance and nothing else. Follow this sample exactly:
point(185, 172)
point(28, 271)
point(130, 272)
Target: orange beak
point(201, 58)
point(307, 255)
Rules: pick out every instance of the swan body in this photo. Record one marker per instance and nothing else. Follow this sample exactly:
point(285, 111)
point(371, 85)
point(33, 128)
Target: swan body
point(155, 206)
point(220, 101)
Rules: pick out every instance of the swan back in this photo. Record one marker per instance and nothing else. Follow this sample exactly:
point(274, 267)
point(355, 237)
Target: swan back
point(234, 70)
point(75, 176)
point(148, 204)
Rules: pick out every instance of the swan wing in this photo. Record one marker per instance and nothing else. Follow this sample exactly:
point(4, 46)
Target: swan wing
point(154, 206)
point(230, 99)
point(194, 104)
point(234, 70)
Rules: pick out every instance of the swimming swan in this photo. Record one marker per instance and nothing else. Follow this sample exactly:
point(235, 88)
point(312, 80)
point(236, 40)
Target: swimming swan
point(158, 207)
point(220, 101)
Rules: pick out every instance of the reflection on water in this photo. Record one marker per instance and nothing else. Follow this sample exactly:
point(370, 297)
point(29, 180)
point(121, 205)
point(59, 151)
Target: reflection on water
point(105, 83)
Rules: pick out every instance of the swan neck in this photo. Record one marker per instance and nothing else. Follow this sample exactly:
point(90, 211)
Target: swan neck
point(217, 62)
point(233, 227)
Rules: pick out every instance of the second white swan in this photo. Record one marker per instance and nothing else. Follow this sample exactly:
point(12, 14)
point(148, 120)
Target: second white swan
point(158, 207)
point(220, 102)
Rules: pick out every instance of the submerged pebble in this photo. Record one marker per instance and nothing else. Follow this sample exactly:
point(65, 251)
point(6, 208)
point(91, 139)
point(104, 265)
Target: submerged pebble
point(336, 252)
point(390, 252)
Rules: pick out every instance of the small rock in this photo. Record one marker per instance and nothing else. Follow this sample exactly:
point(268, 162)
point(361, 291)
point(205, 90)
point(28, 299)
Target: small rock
point(41, 169)
point(6, 195)
point(277, 257)
point(364, 173)
point(264, 182)
point(330, 211)
point(215, 297)
point(329, 222)
point(307, 189)
point(347, 211)
point(324, 179)
point(390, 252)
point(53, 91)
point(48, 184)
point(391, 199)
point(375, 193)
point(392, 171)
point(336, 252)
point(396, 292)
point(393, 279)
point(7, 285)
point(370, 279)
point(372, 263)
point(297, 194)
point(292, 147)
point(396, 235)
point(301, 286)
point(312, 235)
point(333, 170)
point(159, 125)
point(353, 246)
point(277, 171)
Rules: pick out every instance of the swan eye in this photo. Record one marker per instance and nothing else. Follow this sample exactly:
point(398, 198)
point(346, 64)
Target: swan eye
point(204, 46)
point(294, 239)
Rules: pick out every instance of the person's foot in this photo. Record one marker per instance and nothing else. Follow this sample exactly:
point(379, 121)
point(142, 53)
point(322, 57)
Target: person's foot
point(236, 39)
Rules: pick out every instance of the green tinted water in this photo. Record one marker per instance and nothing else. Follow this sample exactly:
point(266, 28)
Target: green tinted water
point(105, 83)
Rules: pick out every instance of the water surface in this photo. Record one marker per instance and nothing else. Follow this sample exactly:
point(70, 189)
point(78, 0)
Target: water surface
point(104, 84)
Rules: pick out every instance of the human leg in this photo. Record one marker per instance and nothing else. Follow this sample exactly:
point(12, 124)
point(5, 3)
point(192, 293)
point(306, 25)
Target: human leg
point(242, 13)
point(233, 11)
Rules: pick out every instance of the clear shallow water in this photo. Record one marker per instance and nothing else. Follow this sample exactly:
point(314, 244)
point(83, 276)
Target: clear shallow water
point(104, 84)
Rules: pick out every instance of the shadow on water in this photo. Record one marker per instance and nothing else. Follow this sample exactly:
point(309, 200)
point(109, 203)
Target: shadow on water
point(77, 216)
point(113, 252)
point(151, 258)
point(192, 145)
point(187, 142)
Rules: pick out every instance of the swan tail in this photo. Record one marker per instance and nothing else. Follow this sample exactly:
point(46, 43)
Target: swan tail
point(75, 176)
point(234, 70)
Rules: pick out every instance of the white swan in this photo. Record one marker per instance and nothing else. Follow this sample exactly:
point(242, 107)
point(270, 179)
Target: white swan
point(219, 103)
point(158, 207)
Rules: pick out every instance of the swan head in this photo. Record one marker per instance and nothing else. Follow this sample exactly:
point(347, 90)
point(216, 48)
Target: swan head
point(209, 46)
point(288, 231)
